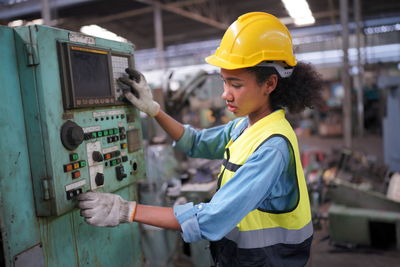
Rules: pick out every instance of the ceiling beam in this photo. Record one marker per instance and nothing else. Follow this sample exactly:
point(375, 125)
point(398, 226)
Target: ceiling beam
point(33, 6)
point(136, 12)
point(188, 14)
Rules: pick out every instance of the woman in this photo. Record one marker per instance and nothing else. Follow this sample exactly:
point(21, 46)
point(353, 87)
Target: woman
point(260, 215)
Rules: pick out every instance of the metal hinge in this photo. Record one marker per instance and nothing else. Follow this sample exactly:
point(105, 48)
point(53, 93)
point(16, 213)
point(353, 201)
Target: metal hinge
point(32, 54)
point(46, 190)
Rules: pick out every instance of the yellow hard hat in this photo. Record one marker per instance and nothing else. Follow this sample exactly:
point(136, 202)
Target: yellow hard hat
point(253, 38)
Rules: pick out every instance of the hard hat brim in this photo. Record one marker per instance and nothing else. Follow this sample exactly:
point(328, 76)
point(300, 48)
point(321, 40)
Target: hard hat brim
point(218, 62)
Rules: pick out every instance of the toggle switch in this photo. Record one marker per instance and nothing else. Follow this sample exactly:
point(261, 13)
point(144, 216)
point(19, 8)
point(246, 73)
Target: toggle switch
point(120, 172)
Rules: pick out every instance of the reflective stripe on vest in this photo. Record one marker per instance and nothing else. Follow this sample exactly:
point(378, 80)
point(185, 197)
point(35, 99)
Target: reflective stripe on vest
point(262, 228)
point(269, 236)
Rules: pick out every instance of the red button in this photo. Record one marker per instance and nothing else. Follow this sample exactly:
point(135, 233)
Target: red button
point(76, 174)
point(107, 156)
point(68, 168)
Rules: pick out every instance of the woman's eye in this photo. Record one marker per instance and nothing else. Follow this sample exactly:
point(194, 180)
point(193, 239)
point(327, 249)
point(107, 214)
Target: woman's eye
point(236, 85)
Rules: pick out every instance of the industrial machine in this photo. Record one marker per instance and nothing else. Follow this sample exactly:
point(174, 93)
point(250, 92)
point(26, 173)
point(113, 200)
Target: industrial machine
point(65, 130)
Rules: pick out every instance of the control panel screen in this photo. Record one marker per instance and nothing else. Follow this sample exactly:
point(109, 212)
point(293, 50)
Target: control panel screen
point(90, 73)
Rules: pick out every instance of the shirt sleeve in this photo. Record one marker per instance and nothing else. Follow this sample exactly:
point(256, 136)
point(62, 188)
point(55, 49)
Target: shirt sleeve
point(244, 192)
point(207, 143)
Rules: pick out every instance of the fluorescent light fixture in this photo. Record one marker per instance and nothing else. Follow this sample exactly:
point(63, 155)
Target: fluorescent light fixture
point(35, 22)
point(16, 23)
point(299, 11)
point(97, 31)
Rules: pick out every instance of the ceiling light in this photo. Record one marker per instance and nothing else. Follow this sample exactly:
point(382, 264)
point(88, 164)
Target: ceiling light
point(97, 31)
point(299, 11)
point(16, 23)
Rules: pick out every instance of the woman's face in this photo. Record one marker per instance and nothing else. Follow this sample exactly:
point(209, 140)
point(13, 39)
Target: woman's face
point(244, 96)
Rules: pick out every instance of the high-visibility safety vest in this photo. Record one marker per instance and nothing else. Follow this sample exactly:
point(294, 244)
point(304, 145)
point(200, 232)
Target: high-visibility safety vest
point(265, 228)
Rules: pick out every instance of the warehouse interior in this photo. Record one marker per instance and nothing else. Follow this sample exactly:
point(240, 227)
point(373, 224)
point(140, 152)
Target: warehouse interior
point(349, 144)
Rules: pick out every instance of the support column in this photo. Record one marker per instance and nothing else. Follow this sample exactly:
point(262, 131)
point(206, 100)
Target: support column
point(46, 16)
point(159, 36)
point(344, 19)
point(358, 82)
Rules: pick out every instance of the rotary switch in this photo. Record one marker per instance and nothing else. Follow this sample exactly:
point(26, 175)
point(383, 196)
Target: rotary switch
point(71, 135)
point(97, 156)
point(99, 179)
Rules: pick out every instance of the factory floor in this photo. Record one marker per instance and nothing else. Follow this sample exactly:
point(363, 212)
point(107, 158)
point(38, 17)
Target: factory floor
point(325, 254)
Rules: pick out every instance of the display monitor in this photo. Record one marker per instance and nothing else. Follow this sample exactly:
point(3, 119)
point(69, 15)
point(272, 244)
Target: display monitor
point(87, 76)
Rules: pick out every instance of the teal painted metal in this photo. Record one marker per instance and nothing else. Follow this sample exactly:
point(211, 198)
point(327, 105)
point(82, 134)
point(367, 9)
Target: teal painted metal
point(353, 225)
point(19, 227)
point(34, 205)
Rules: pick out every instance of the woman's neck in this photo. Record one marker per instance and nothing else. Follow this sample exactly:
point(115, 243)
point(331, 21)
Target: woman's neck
point(254, 117)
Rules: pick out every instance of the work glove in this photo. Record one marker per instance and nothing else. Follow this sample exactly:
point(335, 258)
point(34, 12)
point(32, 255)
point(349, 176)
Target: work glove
point(105, 209)
point(141, 96)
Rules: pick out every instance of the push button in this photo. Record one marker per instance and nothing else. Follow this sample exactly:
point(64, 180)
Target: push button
point(73, 193)
point(100, 134)
point(73, 157)
point(76, 174)
point(105, 132)
point(82, 163)
point(76, 165)
point(115, 153)
point(124, 146)
point(94, 135)
point(124, 158)
point(68, 167)
point(107, 156)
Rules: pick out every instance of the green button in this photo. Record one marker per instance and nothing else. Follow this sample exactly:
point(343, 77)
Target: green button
point(74, 157)
point(113, 162)
point(116, 131)
point(105, 132)
point(94, 135)
point(82, 163)
point(100, 134)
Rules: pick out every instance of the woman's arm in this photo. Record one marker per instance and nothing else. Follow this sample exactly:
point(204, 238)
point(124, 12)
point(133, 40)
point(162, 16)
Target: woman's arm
point(173, 128)
point(157, 216)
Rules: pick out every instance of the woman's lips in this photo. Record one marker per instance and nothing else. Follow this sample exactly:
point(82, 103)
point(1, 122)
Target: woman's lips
point(231, 108)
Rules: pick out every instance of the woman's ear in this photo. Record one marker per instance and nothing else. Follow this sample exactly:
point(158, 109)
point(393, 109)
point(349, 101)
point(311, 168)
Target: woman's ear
point(270, 84)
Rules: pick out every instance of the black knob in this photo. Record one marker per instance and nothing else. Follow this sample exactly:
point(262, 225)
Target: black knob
point(99, 179)
point(97, 156)
point(72, 135)
point(120, 172)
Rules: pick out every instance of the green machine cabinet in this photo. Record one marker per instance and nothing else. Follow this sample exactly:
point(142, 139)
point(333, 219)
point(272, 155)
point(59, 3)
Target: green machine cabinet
point(67, 130)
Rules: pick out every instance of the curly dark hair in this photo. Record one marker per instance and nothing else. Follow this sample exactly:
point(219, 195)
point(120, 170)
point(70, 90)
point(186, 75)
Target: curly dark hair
point(302, 89)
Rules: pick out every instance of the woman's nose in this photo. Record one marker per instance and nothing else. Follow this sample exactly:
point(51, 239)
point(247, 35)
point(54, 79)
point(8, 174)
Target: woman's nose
point(226, 95)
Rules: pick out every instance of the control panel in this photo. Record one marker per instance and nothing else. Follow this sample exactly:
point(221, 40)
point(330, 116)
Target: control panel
point(82, 135)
